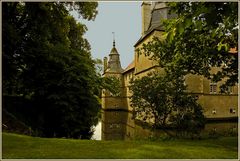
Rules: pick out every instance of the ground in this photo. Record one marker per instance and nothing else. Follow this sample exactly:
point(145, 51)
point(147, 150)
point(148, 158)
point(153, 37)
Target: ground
point(21, 146)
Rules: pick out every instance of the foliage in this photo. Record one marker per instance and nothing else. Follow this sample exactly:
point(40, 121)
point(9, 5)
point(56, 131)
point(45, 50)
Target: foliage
point(47, 60)
point(164, 99)
point(45, 148)
point(198, 39)
point(13, 124)
point(110, 83)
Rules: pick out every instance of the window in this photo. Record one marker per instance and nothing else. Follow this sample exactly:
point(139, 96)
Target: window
point(214, 111)
point(129, 90)
point(138, 56)
point(213, 87)
point(230, 89)
point(114, 126)
point(232, 110)
point(184, 80)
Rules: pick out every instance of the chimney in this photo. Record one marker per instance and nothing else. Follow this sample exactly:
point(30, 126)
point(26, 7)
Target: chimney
point(105, 63)
point(146, 16)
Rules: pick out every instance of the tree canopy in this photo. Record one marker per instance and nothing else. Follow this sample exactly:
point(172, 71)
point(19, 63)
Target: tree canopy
point(47, 60)
point(162, 101)
point(199, 38)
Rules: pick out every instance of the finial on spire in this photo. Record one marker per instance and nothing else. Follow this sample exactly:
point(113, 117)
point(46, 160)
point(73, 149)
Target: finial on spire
point(113, 39)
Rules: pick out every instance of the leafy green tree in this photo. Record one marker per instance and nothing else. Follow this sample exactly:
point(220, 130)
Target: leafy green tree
point(110, 83)
point(47, 60)
point(199, 38)
point(161, 100)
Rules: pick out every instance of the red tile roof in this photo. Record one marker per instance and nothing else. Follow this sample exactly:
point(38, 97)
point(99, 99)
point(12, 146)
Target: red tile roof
point(130, 66)
point(233, 50)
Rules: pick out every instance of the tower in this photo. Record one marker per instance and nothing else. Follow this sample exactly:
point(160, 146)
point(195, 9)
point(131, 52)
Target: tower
point(113, 124)
point(113, 68)
point(114, 65)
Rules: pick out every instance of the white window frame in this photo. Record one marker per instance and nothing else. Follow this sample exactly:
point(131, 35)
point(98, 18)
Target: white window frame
point(213, 88)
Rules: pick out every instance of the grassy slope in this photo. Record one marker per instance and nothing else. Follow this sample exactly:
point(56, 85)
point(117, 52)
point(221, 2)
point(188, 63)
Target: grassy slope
point(20, 146)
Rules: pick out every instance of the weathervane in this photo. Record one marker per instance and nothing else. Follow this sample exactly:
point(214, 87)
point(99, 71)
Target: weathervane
point(113, 39)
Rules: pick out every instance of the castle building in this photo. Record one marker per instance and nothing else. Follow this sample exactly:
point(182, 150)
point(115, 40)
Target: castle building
point(217, 106)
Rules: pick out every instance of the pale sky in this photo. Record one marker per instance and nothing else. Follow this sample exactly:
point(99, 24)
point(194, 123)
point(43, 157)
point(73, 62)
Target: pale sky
point(123, 18)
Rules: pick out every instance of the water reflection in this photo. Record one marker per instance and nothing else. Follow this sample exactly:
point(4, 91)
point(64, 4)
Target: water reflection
point(117, 125)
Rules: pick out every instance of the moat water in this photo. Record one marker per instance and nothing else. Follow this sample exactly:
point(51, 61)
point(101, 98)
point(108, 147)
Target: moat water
point(114, 125)
point(97, 135)
point(119, 125)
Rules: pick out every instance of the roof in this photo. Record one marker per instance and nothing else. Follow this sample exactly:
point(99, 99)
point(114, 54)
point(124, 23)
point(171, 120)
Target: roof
point(233, 50)
point(114, 51)
point(159, 28)
point(129, 67)
point(159, 12)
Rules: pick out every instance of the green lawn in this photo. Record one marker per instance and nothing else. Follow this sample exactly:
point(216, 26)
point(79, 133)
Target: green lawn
point(19, 146)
